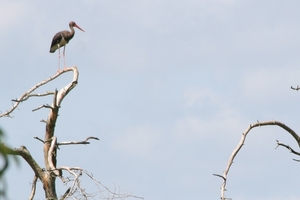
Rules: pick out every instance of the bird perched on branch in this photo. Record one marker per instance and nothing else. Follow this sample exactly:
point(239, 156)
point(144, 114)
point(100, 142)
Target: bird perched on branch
point(61, 39)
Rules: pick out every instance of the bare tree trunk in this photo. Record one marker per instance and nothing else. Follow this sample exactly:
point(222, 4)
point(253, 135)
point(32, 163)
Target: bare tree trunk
point(49, 174)
point(50, 143)
point(49, 180)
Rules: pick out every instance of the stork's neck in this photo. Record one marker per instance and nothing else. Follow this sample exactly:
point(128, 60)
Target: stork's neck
point(72, 30)
point(69, 35)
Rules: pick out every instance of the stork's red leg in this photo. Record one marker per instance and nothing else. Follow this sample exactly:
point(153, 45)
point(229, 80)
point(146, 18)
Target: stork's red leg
point(58, 60)
point(64, 58)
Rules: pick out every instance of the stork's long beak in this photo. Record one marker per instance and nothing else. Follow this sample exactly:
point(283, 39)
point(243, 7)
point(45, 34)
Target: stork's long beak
point(78, 27)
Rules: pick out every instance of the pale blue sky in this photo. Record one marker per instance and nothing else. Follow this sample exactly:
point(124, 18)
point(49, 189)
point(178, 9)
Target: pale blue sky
point(167, 86)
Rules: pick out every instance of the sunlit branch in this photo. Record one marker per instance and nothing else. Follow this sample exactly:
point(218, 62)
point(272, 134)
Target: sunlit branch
point(29, 94)
point(51, 154)
point(33, 188)
point(80, 142)
point(241, 143)
point(66, 194)
point(33, 95)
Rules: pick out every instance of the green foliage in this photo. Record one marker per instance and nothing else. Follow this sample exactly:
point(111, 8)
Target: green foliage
point(4, 153)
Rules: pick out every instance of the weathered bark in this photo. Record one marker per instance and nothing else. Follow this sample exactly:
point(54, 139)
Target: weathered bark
point(50, 164)
point(49, 180)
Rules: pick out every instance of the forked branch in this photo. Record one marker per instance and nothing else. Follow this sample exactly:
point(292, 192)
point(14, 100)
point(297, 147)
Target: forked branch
point(295, 88)
point(30, 94)
point(71, 142)
point(241, 143)
point(50, 144)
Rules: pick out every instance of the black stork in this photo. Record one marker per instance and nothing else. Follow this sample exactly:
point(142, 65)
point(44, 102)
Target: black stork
point(61, 39)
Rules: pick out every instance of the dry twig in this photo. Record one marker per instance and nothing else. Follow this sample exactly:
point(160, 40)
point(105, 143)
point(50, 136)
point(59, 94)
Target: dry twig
point(80, 142)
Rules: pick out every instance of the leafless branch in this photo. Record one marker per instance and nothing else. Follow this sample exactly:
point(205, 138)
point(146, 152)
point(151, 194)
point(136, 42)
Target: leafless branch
point(42, 106)
point(35, 178)
point(288, 147)
point(80, 142)
point(296, 88)
point(33, 95)
point(39, 139)
point(220, 176)
point(22, 151)
point(241, 143)
point(51, 154)
point(115, 194)
point(29, 94)
point(66, 194)
point(69, 142)
point(77, 189)
point(76, 172)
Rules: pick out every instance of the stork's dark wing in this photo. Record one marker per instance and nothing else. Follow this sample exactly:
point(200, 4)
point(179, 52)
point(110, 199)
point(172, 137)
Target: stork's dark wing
point(56, 40)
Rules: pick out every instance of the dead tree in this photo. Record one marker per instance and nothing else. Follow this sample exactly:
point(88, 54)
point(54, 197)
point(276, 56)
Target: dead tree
point(242, 141)
point(50, 172)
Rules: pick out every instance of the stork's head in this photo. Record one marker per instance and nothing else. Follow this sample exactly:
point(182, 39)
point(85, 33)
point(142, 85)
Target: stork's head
point(73, 24)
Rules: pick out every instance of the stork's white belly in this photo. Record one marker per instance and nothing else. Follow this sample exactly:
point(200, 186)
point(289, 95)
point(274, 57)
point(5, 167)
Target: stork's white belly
point(62, 43)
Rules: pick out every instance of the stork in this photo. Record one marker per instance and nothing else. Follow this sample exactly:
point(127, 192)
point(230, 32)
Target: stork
point(61, 39)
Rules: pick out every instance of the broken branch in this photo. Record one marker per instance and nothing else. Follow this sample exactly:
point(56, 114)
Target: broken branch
point(80, 142)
